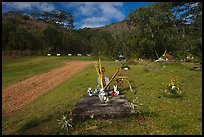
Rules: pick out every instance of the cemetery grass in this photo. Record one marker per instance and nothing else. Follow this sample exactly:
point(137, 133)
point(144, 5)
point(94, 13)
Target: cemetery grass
point(159, 114)
point(19, 68)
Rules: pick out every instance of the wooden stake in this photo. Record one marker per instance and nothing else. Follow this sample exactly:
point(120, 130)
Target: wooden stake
point(95, 65)
point(101, 77)
point(111, 79)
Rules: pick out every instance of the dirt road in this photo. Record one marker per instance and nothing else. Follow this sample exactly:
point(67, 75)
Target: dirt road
point(17, 95)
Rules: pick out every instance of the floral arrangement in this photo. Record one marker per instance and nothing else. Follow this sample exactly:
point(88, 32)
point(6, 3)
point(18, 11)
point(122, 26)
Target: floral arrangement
point(173, 87)
point(165, 55)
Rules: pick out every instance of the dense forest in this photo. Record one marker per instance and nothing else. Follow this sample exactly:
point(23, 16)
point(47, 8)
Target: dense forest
point(175, 27)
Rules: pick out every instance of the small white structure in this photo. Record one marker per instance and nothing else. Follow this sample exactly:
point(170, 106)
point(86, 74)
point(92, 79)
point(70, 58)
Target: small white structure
point(69, 54)
point(58, 54)
point(88, 55)
point(159, 60)
point(48, 54)
point(78, 54)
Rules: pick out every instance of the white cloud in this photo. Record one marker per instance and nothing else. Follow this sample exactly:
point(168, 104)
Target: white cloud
point(90, 14)
point(96, 20)
point(110, 11)
point(42, 6)
point(92, 25)
point(87, 10)
point(97, 13)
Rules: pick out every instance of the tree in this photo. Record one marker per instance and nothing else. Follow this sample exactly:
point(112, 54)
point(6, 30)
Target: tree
point(163, 26)
point(52, 38)
point(61, 18)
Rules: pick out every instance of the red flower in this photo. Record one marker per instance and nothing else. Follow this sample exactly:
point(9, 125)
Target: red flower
point(113, 94)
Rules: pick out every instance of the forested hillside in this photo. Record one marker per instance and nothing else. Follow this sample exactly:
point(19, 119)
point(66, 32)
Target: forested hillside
point(147, 31)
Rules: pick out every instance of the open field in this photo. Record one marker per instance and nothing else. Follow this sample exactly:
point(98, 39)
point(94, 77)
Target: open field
point(17, 69)
point(159, 114)
point(17, 95)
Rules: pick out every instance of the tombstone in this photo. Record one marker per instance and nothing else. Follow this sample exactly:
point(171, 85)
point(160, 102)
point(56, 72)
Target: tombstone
point(78, 54)
point(69, 54)
point(88, 55)
point(58, 54)
point(92, 108)
point(152, 67)
point(48, 55)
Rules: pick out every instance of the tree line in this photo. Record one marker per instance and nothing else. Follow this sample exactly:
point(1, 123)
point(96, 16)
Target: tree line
point(175, 27)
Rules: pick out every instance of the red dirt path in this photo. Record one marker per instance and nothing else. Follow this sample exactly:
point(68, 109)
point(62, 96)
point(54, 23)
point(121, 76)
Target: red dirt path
point(17, 95)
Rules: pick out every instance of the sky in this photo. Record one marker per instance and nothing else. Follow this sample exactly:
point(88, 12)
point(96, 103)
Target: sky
point(86, 14)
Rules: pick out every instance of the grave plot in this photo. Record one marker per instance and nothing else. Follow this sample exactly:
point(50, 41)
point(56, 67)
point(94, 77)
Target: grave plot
point(103, 102)
point(92, 108)
point(196, 66)
point(152, 67)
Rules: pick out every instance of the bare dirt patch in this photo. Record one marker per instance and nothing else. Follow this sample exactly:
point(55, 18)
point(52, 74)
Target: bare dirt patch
point(17, 95)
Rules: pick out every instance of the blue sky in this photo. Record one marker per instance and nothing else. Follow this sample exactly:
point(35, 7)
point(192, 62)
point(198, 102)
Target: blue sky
point(86, 14)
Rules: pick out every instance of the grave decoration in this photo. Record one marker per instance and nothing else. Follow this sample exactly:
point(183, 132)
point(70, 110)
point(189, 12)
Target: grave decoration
point(165, 57)
point(173, 88)
point(197, 66)
point(103, 89)
point(120, 58)
point(125, 67)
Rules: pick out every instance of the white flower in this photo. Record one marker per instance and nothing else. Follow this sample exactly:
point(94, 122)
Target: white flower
point(90, 94)
point(173, 87)
point(104, 98)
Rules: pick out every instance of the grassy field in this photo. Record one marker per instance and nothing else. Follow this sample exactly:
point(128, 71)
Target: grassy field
point(17, 69)
point(159, 114)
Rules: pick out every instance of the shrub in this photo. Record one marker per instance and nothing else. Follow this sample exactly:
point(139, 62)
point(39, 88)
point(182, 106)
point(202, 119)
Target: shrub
point(135, 106)
point(66, 121)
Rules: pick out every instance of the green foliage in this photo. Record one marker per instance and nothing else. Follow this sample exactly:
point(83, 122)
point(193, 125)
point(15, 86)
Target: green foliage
point(66, 121)
point(158, 29)
point(58, 18)
point(52, 37)
point(30, 124)
point(136, 106)
point(152, 29)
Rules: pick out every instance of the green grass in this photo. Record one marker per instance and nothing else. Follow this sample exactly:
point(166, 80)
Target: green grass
point(17, 69)
point(182, 115)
